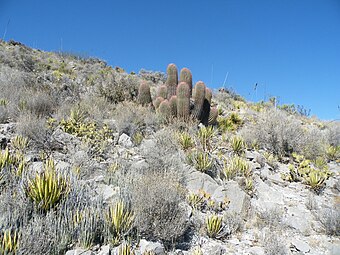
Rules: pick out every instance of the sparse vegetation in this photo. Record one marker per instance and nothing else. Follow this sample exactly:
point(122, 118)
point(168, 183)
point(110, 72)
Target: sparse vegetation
point(69, 181)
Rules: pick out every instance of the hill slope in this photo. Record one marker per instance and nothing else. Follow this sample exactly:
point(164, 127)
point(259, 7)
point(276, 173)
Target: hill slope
point(83, 167)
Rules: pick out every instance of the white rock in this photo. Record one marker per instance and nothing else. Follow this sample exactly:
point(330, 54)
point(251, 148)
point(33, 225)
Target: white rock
point(125, 141)
point(156, 247)
point(79, 252)
point(104, 250)
point(300, 245)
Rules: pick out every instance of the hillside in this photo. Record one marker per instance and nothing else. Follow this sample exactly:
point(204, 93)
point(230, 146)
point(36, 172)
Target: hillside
point(87, 166)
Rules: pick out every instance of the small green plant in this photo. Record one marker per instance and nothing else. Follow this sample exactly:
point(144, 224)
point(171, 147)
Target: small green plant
point(197, 251)
point(185, 140)
point(138, 138)
point(205, 134)
point(9, 241)
point(236, 166)
point(3, 102)
point(125, 249)
point(47, 188)
point(238, 145)
point(315, 179)
point(120, 220)
point(213, 225)
point(200, 160)
point(20, 143)
point(333, 152)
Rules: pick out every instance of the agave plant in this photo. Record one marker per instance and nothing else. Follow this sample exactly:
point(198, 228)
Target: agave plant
point(120, 220)
point(9, 242)
point(47, 188)
point(214, 225)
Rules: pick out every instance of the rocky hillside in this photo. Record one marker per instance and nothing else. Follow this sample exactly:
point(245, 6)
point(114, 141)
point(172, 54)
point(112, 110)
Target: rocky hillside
point(86, 168)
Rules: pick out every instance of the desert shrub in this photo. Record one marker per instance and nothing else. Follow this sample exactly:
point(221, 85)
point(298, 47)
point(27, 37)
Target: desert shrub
point(155, 77)
point(39, 103)
point(330, 218)
point(36, 130)
point(118, 87)
point(4, 114)
point(274, 245)
point(276, 131)
point(157, 200)
point(163, 153)
point(333, 133)
point(132, 118)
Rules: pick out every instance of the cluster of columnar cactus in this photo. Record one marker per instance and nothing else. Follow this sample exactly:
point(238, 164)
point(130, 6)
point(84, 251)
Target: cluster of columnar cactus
point(179, 99)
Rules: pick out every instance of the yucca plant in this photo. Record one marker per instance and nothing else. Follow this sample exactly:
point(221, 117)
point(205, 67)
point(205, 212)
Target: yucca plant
point(9, 241)
point(214, 225)
point(315, 179)
point(205, 134)
point(47, 188)
point(185, 140)
point(197, 251)
point(238, 145)
point(20, 143)
point(196, 200)
point(201, 160)
point(236, 166)
point(333, 152)
point(125, 249)
point(120, 220)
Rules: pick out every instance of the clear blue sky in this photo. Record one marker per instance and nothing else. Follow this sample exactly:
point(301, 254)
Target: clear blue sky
point(291, 48)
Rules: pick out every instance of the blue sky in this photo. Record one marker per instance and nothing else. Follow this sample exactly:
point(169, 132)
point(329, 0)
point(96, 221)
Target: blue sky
point(290, 48)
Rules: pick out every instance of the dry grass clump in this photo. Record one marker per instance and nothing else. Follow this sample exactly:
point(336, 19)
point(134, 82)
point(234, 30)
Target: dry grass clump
point(36, 130)
point(157, 200)
point(283, 134)
point(118, 86)
point(131, 118)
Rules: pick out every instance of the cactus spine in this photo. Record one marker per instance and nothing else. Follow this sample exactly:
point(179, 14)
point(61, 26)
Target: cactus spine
point(144, 95)
point(183, 100)
point(172, 80)
point(173, 106)
point(186, 76)
point(199, 98)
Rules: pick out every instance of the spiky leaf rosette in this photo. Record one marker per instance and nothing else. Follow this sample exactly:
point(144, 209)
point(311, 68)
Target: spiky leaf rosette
point(199, 100)
point(213, 114)
point(173, 106)
point(186, 76)
point(172, 80)
point(183, 100)
point(144, 94)
point(157, 102)
point(162, 91)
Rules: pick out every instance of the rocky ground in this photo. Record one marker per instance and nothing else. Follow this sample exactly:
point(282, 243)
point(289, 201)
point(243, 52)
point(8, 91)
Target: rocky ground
point(142, 161)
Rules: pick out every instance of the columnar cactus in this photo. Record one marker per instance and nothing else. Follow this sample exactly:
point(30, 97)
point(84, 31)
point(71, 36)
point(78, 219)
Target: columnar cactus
point(186, 76)
point(157, 102)
point(199, 98)
point(183, 100)
point(212, 116)
point(173, 106)
point(164, 110)
point(144, 95)
point(172, 80)
point(208, 95)
point(162, 91)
